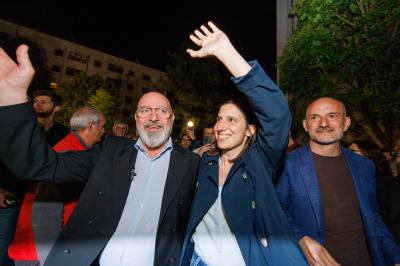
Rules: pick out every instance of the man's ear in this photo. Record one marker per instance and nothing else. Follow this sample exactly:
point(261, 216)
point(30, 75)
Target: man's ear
point(56, 108)
point(305, 125)
point(347, 123)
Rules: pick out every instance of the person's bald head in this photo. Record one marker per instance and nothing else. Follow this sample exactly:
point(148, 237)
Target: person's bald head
point(154, 99)
point(324, 102)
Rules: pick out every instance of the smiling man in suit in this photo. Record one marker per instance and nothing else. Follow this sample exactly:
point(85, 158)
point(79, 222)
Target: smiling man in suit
point(328, 194)
point(135, 205)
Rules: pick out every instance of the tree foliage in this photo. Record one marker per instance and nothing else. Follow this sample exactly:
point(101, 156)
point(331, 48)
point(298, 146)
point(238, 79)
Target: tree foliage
point(86, 90)
point(350, 50)
point(196, 88)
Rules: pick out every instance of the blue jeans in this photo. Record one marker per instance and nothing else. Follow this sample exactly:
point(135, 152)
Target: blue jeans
point(8, 222)
point(196, 260)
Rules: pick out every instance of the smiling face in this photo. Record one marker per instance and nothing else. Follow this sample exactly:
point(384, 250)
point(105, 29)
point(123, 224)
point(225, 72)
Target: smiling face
point(232, 129)
point(326, 122)
point(154, 119)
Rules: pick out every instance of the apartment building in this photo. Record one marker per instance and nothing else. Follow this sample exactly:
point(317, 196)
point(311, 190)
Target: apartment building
point(65, 59)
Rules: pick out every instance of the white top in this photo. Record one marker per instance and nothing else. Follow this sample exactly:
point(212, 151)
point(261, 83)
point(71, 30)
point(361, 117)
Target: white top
point(133, 242)
point(213, 240)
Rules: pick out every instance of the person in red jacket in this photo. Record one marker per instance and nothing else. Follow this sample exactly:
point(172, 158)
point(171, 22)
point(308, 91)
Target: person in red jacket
point(87, 129)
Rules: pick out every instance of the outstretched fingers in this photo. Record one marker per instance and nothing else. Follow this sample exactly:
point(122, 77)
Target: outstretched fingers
point(196, 40)
point(213, 27)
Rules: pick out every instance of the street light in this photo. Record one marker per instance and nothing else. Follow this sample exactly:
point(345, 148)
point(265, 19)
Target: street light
point(190, 124)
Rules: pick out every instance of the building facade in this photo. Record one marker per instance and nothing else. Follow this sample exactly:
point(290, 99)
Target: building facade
point(65, 59)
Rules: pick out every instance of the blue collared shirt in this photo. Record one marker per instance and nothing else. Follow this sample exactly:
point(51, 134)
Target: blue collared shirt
point(133, 242)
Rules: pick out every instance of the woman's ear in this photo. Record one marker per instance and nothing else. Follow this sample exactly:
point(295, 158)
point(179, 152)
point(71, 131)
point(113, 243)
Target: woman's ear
point(251, 130)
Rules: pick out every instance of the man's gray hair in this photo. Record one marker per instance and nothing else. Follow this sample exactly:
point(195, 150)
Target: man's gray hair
point(83, 117)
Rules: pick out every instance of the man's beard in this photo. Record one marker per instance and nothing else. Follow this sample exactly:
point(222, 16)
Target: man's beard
point(44, 114)
point(329, 141)
point(154, 139)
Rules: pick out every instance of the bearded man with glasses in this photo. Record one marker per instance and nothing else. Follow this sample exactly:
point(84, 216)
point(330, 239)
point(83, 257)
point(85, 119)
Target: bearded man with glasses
point(135, 206)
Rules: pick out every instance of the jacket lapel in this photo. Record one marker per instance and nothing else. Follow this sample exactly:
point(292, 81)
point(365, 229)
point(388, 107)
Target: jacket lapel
point(178, 164)
point(358, 175)
point(308, 174)
point(123, 164)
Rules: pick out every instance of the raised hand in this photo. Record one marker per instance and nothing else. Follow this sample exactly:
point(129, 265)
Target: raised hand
point(214, 42)
point(211, 41)
point(15, 77)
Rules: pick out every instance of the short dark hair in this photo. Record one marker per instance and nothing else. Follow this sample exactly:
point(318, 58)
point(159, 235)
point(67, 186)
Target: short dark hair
point(55, 98)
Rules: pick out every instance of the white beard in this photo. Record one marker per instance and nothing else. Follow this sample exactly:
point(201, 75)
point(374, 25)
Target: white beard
point(154, 139)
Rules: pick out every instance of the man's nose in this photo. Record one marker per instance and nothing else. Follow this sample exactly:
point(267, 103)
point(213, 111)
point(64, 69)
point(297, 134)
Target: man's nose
point(153, 116)
point(323, 122)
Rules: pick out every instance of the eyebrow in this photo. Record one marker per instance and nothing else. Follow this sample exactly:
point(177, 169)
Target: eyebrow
point(330, 113)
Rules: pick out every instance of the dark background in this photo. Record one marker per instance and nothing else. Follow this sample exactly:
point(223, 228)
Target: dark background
point(147, 30)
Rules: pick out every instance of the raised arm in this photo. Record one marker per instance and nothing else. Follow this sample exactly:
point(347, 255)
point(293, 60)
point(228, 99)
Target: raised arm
point(22, 146)
point(15, 77)
point(267, 100)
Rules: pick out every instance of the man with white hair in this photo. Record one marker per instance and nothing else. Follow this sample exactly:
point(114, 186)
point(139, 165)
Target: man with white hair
point(136, 203)
point(87, 129)
point(87, 126)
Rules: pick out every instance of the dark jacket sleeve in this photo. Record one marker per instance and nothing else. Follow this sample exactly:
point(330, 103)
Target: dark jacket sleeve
point(271, 109)
point(26, 153)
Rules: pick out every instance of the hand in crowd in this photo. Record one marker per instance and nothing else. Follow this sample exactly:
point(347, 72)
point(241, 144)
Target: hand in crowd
point(315, 253)
point(15, 77)
point(190, 133)
point(205, 148)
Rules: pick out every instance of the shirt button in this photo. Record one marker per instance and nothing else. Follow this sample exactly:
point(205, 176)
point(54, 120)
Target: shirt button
point(67, 251)
point(264, 242)
point(253, 205)
point(100, 193)
point(244, 175)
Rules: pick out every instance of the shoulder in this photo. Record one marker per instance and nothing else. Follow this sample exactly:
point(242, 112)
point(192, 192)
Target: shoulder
point(185, 152)
point(355, 160)
point(112, 142)
point(298, 153)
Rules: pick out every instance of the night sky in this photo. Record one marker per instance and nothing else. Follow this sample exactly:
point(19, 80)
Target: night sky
point(149, 30)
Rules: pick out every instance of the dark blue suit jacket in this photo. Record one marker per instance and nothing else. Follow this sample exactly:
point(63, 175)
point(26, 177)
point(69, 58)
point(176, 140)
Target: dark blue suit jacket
point(299, 194)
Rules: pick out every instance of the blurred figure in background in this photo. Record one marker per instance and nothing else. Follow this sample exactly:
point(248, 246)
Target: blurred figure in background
point(120, 128)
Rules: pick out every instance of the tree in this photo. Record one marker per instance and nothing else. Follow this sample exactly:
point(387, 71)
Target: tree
point(195, 88)
point(92, 91)
point(350, 50)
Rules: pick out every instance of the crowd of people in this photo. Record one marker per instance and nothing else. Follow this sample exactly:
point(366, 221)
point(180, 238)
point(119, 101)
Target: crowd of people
point(244, 196)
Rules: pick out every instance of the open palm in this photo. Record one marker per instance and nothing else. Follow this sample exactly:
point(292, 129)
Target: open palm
point(210, 41)
point(15, 78)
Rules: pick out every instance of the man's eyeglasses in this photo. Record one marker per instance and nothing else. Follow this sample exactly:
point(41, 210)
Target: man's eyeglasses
point(162, 112)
